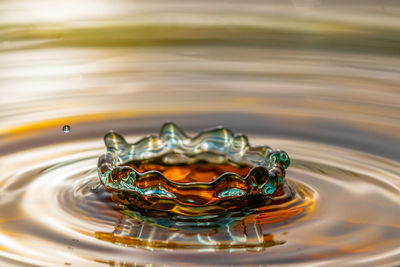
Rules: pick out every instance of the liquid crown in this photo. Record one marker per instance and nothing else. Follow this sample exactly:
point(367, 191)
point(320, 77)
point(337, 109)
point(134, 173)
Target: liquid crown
point(211, 173)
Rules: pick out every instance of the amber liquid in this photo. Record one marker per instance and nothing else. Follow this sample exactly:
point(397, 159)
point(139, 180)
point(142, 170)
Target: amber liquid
point(203, 172)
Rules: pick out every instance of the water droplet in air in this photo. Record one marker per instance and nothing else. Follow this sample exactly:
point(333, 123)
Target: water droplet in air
point(66, 128)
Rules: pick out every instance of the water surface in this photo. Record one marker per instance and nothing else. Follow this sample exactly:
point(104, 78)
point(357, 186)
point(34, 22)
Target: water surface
point(318, 79)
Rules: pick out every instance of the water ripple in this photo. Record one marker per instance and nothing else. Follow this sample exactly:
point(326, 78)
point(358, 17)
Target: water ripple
point(342, 209)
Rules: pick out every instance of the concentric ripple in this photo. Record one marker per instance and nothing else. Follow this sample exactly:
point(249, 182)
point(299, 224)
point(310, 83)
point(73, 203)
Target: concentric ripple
point(58, 210)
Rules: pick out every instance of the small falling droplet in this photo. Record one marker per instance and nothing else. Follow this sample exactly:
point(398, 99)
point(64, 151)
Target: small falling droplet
point(66, 128)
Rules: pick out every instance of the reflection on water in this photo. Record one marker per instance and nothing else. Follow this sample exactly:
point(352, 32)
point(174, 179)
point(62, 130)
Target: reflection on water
point(319, 79)
point(205, 234)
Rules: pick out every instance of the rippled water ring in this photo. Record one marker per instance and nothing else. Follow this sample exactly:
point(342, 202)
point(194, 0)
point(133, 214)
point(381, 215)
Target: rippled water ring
point(65, 210)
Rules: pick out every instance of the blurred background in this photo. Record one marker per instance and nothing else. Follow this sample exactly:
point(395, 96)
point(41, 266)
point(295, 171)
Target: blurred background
point(317, 78)
point(314, 69)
